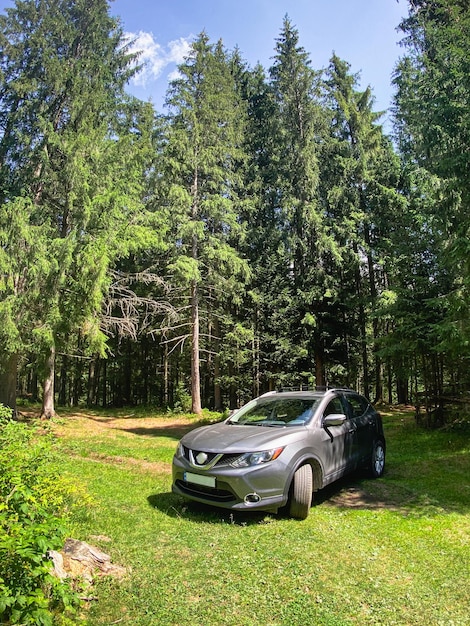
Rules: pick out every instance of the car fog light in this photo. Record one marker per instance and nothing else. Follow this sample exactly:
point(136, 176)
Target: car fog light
point(252, 498)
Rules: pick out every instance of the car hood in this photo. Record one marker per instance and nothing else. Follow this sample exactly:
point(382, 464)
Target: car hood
point(234, 438)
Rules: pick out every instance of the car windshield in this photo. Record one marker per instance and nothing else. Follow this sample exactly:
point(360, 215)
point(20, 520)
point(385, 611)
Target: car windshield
point(276, 412)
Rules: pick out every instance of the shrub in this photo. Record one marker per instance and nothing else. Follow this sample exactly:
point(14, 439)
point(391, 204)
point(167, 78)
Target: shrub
point(182, 399)
point(34, 501)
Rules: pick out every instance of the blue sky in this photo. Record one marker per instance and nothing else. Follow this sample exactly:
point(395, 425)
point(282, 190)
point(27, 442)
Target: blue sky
point(362, 32)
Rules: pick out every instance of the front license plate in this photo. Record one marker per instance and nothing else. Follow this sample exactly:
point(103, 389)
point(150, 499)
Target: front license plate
point(197, 479)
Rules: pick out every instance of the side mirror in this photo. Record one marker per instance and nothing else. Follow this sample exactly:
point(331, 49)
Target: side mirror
point(335, 419)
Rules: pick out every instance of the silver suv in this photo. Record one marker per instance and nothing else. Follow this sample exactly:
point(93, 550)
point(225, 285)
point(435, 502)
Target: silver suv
point(278, 449)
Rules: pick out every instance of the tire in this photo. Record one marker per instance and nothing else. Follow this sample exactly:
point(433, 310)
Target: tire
point(377, 461)
point(300, 499)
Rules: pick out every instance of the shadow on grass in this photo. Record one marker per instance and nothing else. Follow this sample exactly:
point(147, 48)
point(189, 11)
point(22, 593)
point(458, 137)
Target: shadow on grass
point(393, 494)
point(172, 429)
point(172, 432)
point(178, 508)
point(348, 492)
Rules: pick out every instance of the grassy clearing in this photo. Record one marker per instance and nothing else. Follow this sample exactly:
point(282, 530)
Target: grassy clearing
point(391, 551)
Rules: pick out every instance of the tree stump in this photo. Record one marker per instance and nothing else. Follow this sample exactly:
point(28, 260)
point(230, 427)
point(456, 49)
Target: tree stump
point(78, 559)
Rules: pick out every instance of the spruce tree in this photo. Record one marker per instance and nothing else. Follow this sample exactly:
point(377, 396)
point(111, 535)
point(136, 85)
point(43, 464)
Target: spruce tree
point(71, 151)
point(294, 284)
point(359, 178)
point(202, 149)
point(432, 124)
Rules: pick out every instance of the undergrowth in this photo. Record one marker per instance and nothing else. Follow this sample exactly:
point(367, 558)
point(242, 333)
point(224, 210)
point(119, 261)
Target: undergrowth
point(35, 502)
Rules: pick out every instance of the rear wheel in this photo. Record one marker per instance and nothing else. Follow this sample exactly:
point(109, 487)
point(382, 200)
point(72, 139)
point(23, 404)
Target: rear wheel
point(377, 464)
point(301, 493)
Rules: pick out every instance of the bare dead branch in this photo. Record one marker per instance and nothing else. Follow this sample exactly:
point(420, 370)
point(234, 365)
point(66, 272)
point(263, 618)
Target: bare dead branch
point(129, 314)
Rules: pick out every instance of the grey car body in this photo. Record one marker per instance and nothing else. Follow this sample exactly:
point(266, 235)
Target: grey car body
point(278, 449)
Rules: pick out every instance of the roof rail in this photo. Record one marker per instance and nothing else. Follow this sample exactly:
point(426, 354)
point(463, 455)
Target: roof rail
point(304, 388)
point(313, 388)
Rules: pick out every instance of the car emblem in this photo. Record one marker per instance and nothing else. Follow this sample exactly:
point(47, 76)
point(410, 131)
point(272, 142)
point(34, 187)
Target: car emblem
point(201, 458)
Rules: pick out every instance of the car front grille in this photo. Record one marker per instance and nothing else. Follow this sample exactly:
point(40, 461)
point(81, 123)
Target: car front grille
point(225, 459)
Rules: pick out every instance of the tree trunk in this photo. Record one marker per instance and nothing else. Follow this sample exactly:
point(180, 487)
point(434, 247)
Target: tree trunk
point(217, 389)
point(48, 395)
point(389, 381)
point(195, 366)
point(256, 356)
point(127, 375)
point(166, 376)
point(104, 384)
point(8, 377)
point(375, 322)
point(233, 401)
point(33, 386)
point(91, 388)
point(77, 383)
point(319, 367)
point(63, 383)
point(362, 325)
point(144, 393)
point(402, 384)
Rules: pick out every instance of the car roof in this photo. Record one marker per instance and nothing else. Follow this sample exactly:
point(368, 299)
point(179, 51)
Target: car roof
point(306, 393)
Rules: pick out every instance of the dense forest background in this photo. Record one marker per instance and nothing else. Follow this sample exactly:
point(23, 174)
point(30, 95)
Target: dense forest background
point(263, 232)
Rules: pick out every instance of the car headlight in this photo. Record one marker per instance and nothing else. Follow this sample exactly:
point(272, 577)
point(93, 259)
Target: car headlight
point(256, 458)
point(179, 449)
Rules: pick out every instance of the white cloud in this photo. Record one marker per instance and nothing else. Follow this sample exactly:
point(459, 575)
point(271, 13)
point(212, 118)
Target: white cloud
point(179, 49)
point(174, 75)
point(154, 57)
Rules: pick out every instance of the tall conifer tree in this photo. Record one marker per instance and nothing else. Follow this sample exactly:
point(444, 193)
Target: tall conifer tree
point(360, 175)
point(432, 115)
point(297, 129)
point(70, 163)
point(201, 156)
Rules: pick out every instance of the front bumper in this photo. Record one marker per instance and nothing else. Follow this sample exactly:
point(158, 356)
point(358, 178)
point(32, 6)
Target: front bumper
point(262, 487)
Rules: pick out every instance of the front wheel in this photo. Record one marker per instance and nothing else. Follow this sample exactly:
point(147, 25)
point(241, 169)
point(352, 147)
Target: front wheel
point(377, 464)
point(301, 493)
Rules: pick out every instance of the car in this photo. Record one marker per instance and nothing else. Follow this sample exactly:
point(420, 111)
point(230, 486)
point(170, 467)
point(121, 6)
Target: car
point(276, 451)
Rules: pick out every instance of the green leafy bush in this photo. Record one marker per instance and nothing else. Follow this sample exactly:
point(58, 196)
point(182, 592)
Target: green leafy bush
point(34, 502)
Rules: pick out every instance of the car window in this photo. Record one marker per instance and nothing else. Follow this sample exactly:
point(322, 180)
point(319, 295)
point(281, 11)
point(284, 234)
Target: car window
point(276, 412)
point(335, 406)
point(358, 405)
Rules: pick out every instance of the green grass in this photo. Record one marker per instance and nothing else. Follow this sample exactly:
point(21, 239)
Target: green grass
point(391, 551)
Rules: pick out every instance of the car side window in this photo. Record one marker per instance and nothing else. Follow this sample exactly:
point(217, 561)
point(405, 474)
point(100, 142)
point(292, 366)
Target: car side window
point(333, 407)
point(357, 404)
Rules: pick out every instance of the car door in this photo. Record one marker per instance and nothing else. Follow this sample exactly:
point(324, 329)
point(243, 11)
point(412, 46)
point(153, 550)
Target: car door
point(338, 442)
point(362, 423)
